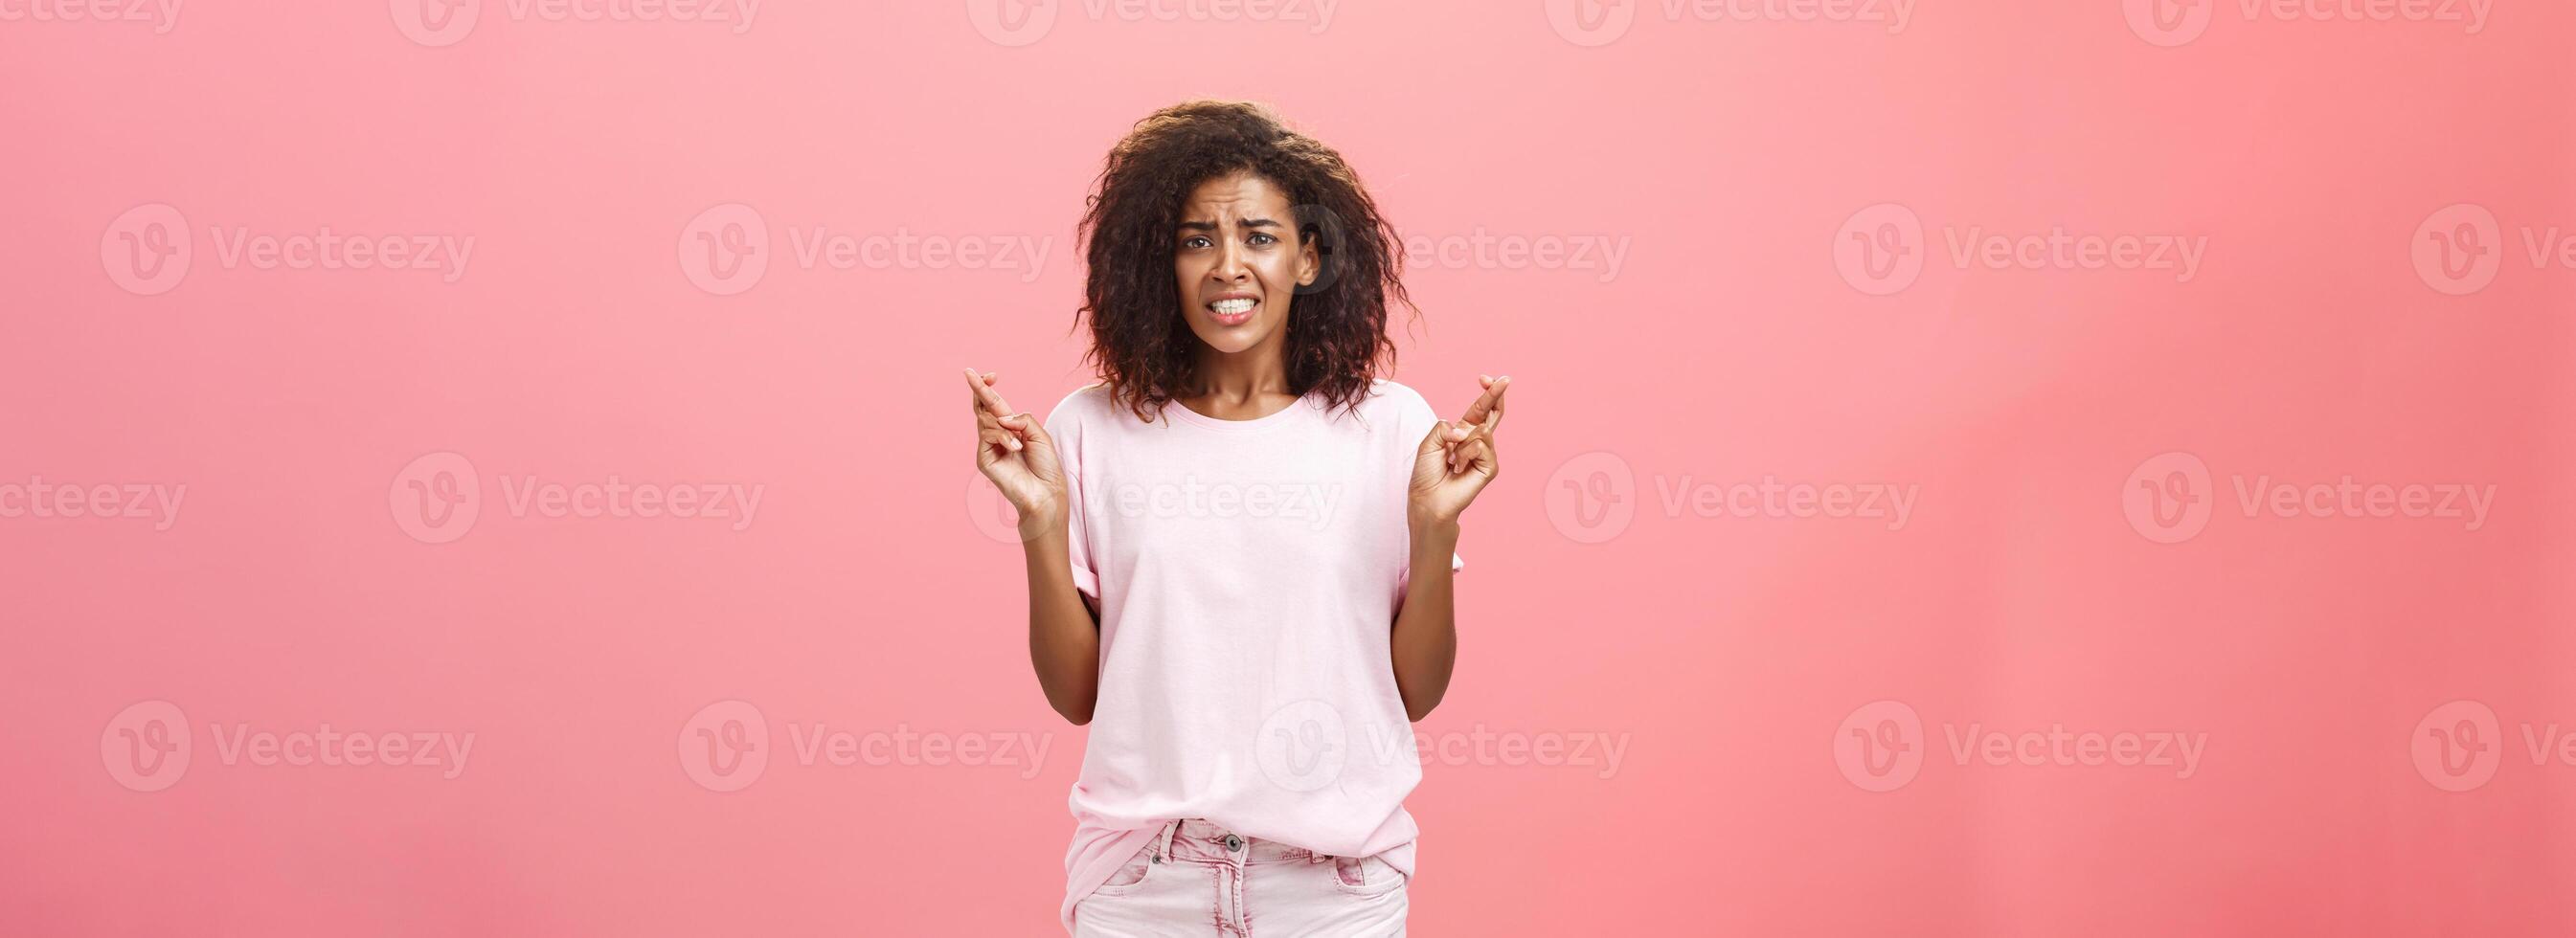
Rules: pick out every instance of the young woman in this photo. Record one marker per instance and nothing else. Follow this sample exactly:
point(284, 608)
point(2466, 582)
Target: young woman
point(1223, 536)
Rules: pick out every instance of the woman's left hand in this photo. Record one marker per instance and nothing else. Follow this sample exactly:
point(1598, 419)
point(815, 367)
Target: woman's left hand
point(1457, 459)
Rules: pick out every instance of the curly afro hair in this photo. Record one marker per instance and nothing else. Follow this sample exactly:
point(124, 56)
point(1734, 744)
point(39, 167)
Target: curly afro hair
point(1141, 346)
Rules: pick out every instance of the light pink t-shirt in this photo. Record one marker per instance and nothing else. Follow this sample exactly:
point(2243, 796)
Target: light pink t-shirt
point(1248, 574)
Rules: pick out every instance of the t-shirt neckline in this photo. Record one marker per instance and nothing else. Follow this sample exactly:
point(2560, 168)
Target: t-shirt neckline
point(1181, 413)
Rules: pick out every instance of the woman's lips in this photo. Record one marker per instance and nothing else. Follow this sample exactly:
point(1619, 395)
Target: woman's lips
point(1232, 312)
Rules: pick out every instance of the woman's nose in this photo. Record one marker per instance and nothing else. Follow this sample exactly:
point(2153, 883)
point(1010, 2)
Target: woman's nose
point(1230, 262)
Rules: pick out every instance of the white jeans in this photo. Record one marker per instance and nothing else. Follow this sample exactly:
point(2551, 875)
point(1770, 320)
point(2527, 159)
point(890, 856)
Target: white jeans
point(1196, 879)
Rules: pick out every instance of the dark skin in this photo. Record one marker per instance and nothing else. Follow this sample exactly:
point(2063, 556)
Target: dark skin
point(1236, 242)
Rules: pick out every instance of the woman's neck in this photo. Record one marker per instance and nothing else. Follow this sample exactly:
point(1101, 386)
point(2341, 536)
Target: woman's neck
point(1239, 386)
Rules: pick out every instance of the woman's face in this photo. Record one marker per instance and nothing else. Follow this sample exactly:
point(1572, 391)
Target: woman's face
point(1239, 261)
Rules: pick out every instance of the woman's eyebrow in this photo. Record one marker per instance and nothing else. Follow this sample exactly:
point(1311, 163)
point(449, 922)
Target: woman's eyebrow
point(1211, 226)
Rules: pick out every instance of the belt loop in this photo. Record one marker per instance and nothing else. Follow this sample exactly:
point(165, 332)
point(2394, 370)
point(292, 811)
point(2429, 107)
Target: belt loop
point(1163, 846)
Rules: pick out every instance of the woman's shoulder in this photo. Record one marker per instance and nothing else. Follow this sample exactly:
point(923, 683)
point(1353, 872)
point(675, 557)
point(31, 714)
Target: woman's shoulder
point(1396, 398)
point(1087, 403)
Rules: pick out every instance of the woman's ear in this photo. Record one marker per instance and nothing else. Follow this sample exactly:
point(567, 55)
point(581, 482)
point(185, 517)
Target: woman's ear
point(1318, 230)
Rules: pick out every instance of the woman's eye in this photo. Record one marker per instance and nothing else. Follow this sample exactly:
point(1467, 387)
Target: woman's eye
point(1261, 237)
point(1194, 241)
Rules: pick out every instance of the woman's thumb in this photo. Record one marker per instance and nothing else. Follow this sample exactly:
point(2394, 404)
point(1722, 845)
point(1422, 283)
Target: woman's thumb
point(1431, 441)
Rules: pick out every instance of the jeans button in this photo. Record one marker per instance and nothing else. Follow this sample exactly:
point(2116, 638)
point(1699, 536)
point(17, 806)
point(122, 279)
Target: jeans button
point(1233, 843)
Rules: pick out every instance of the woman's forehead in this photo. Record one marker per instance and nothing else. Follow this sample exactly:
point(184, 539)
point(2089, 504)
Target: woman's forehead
point(1236, 196)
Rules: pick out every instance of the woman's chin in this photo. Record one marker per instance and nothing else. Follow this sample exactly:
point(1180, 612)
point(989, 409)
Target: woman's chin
point(1229, 341)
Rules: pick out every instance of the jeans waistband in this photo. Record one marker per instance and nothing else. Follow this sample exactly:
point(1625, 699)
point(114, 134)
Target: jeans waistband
point(1201, 840)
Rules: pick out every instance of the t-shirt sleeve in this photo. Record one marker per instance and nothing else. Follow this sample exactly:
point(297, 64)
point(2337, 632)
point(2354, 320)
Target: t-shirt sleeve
point(1065, 427)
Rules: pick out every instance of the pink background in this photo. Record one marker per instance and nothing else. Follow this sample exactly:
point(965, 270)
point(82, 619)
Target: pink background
point(2029, 587)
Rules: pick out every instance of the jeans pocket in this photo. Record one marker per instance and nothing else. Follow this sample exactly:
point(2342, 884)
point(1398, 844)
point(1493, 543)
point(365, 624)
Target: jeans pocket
point(1130, 876)
point(1366, 876)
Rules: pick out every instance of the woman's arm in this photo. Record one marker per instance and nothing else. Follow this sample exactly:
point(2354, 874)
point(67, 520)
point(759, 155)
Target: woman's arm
point(1014, 451)
point(1426, 632)
point(1064, 634)
point(1454, 463)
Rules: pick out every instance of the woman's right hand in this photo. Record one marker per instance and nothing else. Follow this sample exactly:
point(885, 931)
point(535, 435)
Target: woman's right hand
point(1015, 452)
